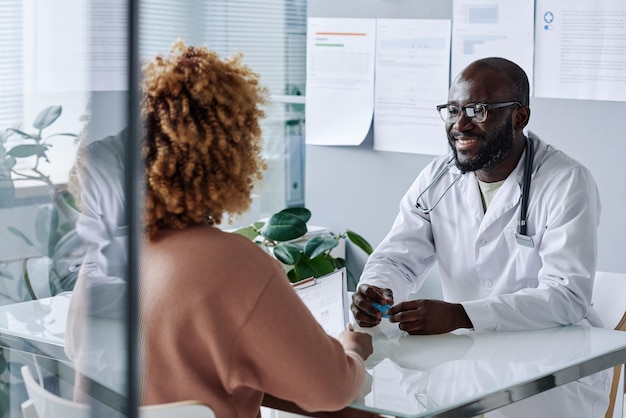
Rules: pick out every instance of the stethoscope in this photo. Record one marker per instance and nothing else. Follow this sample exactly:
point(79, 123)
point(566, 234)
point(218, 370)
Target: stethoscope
point(520, 235)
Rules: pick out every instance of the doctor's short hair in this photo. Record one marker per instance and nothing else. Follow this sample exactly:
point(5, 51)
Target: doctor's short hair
point(520, 85)
point(202, 140)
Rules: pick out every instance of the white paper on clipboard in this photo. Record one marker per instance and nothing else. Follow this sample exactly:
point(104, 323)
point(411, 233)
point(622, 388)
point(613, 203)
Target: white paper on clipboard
point(325, 298)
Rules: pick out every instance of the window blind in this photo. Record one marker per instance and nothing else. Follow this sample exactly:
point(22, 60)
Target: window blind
point(11, 63)
point(272, 36)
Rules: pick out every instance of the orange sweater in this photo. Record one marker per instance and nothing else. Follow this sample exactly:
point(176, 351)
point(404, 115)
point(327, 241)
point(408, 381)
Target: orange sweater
point(221, 324)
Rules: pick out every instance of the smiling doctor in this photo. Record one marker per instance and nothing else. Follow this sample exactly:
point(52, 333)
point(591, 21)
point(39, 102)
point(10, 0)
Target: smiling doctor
point(512, 223)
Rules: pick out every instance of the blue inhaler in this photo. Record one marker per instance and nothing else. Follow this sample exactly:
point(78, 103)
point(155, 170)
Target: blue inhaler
point(382, 308)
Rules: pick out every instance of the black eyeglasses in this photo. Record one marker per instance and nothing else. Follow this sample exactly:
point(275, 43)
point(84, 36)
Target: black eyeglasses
point(477, 112)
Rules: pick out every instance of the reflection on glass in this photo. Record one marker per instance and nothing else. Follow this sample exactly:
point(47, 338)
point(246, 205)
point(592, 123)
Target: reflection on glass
point(63, 78)
point(426, 374)
point(63, 238)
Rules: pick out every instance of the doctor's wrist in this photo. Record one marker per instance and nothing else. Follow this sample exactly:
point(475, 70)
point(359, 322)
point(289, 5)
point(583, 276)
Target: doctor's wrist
point(462, 319)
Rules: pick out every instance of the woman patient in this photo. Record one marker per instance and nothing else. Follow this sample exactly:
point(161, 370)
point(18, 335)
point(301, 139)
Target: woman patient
point(220, 322)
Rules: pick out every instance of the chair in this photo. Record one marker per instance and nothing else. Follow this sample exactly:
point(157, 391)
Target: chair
point(609, 301)
point(44, 404)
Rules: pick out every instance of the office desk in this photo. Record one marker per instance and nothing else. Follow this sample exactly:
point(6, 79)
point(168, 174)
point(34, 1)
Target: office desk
point(457, 374)
point(468, 373)
point(463, 374)
point(38, 327)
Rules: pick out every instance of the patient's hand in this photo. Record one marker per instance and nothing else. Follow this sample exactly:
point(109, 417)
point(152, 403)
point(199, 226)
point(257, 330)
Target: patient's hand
point(359, 342)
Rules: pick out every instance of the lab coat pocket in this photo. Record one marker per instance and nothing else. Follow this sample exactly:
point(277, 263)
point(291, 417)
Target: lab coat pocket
point(524, 259)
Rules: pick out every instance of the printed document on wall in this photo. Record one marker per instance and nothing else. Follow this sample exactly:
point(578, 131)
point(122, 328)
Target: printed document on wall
point(412, 74)
point(580, 49)
point(340, 80)
point(492, 28)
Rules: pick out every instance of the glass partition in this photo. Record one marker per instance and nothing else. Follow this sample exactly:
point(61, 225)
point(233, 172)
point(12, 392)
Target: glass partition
point(63, 251)
point(70, 230)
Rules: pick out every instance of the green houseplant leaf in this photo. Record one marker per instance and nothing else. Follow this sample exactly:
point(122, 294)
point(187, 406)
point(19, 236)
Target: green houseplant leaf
point(47, 116)
point(319, 245)
point(359, 241)
point(20, 234)
point(250, 231)
point(302, 213)
point(23, 151)
point(339, 263)
point(284, 226)
point(316, 267)
point(24, 134)
point(288, 253)
point(311, 259)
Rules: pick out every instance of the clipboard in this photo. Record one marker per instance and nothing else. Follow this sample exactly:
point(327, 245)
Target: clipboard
point(326, 298)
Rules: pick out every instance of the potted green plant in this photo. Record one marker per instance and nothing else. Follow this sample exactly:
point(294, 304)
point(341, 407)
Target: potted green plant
point(56, 241)
point(283, 235)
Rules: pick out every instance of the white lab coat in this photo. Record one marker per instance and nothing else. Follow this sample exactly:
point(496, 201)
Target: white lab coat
point(502, 285)
point(99, 296)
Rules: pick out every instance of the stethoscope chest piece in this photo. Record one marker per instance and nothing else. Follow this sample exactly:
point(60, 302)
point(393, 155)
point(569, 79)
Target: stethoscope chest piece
point(525, 240)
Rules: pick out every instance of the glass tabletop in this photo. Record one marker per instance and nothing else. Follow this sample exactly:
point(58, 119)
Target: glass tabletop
point(473, 372)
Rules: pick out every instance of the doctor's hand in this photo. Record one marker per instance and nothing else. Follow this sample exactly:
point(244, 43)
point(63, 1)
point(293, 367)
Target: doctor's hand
point(365, 314)
point(428, 316)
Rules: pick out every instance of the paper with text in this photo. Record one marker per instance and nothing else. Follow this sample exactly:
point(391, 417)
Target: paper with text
point(339, 80)
point(492, 28)
point(325, 298)
point(580, 47)
point(412, 73)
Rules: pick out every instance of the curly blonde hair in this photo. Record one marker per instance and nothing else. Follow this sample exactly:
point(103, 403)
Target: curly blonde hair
point(202, 139)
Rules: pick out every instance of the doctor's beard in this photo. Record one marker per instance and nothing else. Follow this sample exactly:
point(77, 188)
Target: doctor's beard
point(495, 148)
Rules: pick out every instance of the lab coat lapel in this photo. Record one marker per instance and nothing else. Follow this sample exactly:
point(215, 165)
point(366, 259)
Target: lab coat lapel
point(507, 198)
point(471, 194)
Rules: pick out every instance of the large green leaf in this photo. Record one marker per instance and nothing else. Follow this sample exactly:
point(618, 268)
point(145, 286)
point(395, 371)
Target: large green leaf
point(250, 231)
point(66, 245)
point(293, 277)
point(302, 213)
point(339, 263)
point(284, 226)
point(287, 253)
point(23, 151)
point(359, 241)
point(316, 267)
point(47, 116)
point(24, 134)
point(319, 245)
point(20, 234)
